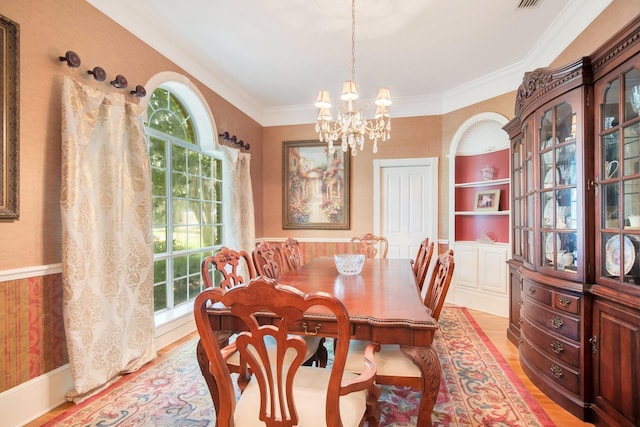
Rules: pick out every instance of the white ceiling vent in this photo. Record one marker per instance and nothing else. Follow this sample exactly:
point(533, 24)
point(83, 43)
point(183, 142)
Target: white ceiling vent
point(528, 4)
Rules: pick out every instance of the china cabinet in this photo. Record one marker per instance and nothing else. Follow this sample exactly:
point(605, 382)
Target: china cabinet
point(551, 202)
point(615, 338)
point(575, 197)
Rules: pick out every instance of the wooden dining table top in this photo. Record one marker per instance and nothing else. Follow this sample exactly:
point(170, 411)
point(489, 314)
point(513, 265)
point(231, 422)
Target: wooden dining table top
point(383, 300)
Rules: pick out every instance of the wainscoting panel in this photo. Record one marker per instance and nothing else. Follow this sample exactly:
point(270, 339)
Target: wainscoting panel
point(31, 328)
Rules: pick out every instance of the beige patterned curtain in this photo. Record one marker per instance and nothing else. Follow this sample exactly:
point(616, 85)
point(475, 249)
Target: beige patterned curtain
point(107, 251)
point(240, 227)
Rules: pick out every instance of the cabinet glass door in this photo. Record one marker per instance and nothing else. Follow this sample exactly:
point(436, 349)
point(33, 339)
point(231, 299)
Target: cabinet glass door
point(517, 190)
point(528, 194)
point(557, 188)
point(619, 178)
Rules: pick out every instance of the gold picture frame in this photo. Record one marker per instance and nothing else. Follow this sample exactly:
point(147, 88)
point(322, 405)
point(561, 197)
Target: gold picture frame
point(487, 200)
point(9, 131)
point(315, 186)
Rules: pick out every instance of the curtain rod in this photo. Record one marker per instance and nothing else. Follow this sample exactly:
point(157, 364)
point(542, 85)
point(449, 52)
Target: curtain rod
point(99, 74)
point(234, 140)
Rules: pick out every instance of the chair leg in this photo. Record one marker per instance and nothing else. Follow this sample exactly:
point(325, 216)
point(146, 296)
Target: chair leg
point(322, 355)
point(320, 358)
point(373, 406)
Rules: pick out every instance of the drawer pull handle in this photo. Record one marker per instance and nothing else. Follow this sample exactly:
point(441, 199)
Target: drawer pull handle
point(556, 347)
point(532, 290)
point(315, 330)
point(564, 301)
point(556, 371)
point(557, 322)
point(594, 344)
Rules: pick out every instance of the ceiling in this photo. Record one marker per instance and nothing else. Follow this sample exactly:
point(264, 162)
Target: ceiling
point(270, 57)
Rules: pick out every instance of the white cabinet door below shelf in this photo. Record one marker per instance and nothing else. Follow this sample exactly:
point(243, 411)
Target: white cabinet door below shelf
point(481, 277)
point(492, 269)
point(466, 267)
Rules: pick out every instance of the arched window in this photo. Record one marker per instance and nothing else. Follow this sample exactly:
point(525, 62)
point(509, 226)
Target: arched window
point(187, 192)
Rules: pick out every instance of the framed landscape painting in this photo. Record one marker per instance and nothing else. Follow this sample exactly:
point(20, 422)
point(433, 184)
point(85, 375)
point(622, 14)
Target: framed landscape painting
point(9, 129)
point(315, 186)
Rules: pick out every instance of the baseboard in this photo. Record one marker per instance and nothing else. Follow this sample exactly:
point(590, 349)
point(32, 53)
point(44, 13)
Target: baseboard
point(498, 305)
point(173, 331)
point(26, 402)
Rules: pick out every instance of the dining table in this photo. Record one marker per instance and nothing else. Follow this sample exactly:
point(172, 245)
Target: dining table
point(384, 306)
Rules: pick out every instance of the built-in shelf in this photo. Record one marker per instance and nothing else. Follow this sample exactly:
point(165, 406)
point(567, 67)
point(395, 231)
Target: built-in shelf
point(483, 183)
point(482, 213)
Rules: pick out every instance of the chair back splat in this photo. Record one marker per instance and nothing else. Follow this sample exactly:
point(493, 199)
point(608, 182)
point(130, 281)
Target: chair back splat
point(292, 254)
point(439, 283)
point(279, 381)
point(371, 245)
point(268, 260)
point(228, 262)
point(422, 261)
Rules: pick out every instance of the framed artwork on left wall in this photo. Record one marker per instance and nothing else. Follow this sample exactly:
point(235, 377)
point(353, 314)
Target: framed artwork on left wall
point(315, 186)
point(9, 130)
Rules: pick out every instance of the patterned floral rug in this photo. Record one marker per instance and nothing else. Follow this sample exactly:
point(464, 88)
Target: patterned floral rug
point(478, 389)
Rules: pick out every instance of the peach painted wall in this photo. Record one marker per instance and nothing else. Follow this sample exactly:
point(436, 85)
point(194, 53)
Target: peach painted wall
point(31, 314)
point(410, 137)
point(48, 28)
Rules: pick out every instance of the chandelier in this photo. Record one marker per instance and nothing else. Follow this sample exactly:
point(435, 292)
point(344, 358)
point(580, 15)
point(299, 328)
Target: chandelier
point(351, 125)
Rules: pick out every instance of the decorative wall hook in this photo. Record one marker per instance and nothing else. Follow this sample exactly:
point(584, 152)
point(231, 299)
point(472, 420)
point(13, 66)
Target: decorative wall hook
point(140, 91)
point(120, 82)
point(71, 58)
point(98, 73)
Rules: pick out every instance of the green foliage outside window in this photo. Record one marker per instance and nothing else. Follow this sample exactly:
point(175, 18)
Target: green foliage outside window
point(187, 200)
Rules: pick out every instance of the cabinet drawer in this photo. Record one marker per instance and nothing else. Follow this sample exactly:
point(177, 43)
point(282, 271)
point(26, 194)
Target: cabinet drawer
point(567, 352)
point(566, 302)
point(536, 292)
point(561, 374)
point(551, 320)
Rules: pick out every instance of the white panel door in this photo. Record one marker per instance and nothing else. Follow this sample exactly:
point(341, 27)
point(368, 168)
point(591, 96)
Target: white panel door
point(407, 206)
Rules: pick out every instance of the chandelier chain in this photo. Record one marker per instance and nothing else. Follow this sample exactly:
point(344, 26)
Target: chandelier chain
point(353, 40)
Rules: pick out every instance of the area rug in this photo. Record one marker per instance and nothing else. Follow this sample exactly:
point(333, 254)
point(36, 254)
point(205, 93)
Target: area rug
point(478, 389)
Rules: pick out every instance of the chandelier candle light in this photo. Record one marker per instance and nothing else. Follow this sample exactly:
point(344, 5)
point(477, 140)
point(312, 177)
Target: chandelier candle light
point(351, 125)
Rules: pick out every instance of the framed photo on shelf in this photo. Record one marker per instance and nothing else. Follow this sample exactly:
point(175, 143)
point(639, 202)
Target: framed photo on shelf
point(315, 186)
point(487, 200)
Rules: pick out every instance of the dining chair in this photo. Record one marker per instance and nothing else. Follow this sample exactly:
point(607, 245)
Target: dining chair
point(421, 250)
point(280, 391)
point(228, 263)
point(393, 366)
point(371, 245)
point(422, 262)
point(268, 261)
point(292, 254)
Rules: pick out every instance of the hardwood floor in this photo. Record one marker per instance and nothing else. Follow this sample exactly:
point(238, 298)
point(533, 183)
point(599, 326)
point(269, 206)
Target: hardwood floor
point(493, 326)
